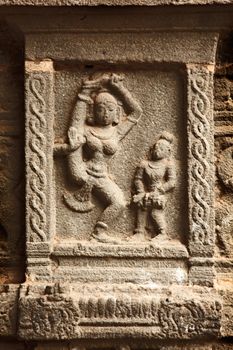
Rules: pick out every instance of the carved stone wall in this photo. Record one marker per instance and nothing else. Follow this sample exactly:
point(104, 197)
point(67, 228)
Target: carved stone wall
point(116, 199)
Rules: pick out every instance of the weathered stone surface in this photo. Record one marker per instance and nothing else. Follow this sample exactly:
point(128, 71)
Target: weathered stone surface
point(94, 47)
point(226, 293)
point(66, 312)
point(48, 317)
point(201, 148)
point(39, 114)
point(87, 193)
point(128, 225)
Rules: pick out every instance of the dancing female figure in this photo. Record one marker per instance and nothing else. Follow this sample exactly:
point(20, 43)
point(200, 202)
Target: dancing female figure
point(95, 138)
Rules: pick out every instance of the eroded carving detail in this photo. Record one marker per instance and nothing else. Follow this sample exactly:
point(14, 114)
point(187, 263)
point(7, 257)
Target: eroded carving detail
point(119, 311)
point(154, 178)
point(67, 314)
point(201, 168)
point(47, 317)
point(104, 114)
point(37, 161)
point(189, 319)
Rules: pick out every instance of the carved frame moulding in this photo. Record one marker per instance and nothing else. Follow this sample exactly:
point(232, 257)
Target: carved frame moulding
point(100, 279)
point(39, 156)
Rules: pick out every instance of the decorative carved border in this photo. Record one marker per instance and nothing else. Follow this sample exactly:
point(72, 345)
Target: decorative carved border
point(201, 157)
point(39, 163)
point(37, 180)
point(39, 159)
point(55, 313)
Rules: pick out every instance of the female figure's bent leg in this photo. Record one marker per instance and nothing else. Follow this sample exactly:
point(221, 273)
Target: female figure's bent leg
point(113, 196)
point(80, 201)
point(77, 167)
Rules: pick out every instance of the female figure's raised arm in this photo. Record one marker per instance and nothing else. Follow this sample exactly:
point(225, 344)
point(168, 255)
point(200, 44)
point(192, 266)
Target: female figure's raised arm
point(134, 110)
point(76, 129)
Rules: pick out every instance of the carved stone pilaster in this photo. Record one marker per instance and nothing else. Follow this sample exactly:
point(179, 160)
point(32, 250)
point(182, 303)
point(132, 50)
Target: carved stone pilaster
point(39, 158)
point(201, 156)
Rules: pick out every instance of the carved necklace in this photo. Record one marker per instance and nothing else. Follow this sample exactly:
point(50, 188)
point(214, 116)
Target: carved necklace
point(154, 166)
point(102, 137)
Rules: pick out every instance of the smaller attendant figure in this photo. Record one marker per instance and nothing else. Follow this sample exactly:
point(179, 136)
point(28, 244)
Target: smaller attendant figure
point(153, 179)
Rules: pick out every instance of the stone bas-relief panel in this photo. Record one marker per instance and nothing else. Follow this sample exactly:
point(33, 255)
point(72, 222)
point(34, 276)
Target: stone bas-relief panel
point(130, 154)
point(142, 271)
point(96, 181)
